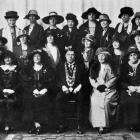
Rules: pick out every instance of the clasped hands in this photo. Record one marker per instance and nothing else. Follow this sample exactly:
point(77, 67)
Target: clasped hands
point(40, 93)
point(132, 89)
point(8, 92)
point(68, 90)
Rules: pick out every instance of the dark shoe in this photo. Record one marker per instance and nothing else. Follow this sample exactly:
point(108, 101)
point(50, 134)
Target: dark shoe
point(60, 129)
point(38, 131)
point(101, 131)
point(80, 130)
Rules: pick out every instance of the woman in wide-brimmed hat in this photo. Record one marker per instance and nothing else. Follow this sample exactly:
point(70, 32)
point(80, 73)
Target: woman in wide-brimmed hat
point(53, 19)
point(11, 31)
point(130, 93)
point(37, 82)
point(92, 26)
point(124, 28)
point(136, 21)
point(34, 30)
point(104, 96)
point(107, 31)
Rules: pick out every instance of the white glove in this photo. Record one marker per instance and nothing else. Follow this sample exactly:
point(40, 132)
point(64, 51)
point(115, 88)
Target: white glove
point(10, 91)
point(35, 91)
point(43, 91)
point(77, 89)
point(132, 88)
point(65, 89)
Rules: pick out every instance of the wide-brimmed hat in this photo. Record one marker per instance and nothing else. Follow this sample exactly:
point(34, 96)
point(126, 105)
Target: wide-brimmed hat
point(11, 14)
point(71, 16)
point(3, 40)
point(126, 10)
point(132, 49)
point(135, 33)
point(32, 12)
point(102, 50)
point(22, 35)
point(89, 37)
point(91, 10)
point(59, 18)
point(136, 15)
point(104, 17)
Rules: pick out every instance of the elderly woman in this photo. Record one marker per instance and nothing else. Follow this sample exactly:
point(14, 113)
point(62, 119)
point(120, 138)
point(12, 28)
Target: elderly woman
point(104, 95)
point(130, 95)
point(37, 91)
point(9, 91)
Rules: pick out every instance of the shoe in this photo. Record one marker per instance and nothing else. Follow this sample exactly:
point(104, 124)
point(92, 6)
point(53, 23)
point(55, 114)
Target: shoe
point(38, 131)
point(79, 130)
point(101, 131)
point(60, 129)
point(9, 129)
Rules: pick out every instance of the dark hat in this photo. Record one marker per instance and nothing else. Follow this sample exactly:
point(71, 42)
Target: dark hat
point(91, 10)
point(11, 14)
point(104, 17)
point(137, 15)
point(59, 18)
point(32, 12)
point(3, 40)
point(71, 16)
point(134, 33)
point(132, 49)
point(126, 10)
point(103, 50)
point(21, 35)
point(89, 37)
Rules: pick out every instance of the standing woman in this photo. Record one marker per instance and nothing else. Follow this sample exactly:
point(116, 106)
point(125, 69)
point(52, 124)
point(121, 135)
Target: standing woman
point(136, 21)
point(130, 94)
point(37, 92)
point(104, 95)
point(9, 91)
point(34, 30)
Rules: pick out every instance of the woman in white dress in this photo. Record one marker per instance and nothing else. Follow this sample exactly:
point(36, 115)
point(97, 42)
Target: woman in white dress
point(104, 96)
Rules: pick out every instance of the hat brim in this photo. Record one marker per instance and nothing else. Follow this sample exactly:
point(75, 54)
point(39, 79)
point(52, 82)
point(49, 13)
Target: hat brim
point(59, 19)
point(4, 40)
point(109, 21)
point(85, 14)
point(7, 17)
point(18, 38)
point(120, 15)
point(36, 16)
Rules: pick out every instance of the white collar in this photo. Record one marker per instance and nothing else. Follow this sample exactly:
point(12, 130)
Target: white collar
point(37, 67)
point(8, 67)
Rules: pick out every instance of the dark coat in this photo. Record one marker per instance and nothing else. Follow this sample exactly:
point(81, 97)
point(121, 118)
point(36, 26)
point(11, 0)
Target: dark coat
point(36, 36)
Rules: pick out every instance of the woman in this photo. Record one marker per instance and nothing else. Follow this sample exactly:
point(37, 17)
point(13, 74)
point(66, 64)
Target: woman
point(136, 21)
point(104, 95)
point(37, 91)
point(51, 49)
point(130, 81)
point(9, 91)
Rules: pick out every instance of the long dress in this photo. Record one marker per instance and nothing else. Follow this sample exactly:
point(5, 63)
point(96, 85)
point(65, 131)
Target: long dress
point(103, 105)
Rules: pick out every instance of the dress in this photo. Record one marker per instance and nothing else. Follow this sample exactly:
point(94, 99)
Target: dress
point(103, 105)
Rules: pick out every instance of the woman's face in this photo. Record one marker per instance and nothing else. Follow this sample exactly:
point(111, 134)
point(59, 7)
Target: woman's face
point(70, 23)
point(7, 60)
point(91, 16)
point(37, 58)
point(32, 19)
point(50, 39)
point(133, 57)
point(23, 40)
point(137, 21)
point(104, 24)
point(137, 39)
point(116, 44)
point(125, 18)
point(87, 43)
point(102, 58)
point(52, 21)
point(11, 22)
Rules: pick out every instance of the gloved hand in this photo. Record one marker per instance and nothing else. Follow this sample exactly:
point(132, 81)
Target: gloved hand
point(101, 88)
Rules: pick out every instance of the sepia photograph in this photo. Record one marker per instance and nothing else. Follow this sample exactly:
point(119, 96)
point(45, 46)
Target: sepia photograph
point(69, 70)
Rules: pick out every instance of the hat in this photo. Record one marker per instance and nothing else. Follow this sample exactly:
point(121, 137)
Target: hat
point(132, 49)
point(91, 10)
point(126, 10)
point(104, 17)
point(137, 15)
point(102, 50)
point(134, 33)
point(89, 37)
point(11, 14)
point(3, 40)
point(71, 16)
point(32, 12)
point(59, 18)
point(22, 35)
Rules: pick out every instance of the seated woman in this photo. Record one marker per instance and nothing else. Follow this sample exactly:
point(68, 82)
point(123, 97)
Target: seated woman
point(9, 91)
point(130, 95)
point(104, 95)
point(37, 83)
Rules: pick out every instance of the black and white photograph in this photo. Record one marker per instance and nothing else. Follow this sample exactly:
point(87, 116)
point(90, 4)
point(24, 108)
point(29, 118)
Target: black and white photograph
point(69, 70)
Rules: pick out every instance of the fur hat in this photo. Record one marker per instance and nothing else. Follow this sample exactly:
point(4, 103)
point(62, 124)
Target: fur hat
point(126, 10)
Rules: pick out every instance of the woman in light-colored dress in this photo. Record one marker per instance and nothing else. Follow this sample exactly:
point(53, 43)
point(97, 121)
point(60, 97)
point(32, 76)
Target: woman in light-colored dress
point(103, 100)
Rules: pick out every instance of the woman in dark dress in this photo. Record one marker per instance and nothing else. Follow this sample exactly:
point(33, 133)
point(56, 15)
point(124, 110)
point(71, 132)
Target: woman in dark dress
point(37, 82)
point(9, 91)
point(130, 94)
